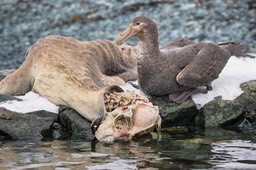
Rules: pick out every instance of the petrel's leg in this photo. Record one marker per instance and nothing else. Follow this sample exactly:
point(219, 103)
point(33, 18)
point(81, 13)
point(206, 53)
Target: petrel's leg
point(209, 87)
point(182, 96)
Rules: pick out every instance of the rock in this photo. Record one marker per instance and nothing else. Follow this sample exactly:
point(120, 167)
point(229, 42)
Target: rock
point(248, 97)
point(175, 114)
point(67, 124)
point(41, 124)
point(15, 125)
point(5, 97)
point(239, 114)
point(251, 112)
point(175, 130)
point(73, 125)
point(219, 113)
point(218, 21)
point(248, 101)
point(43, 114)
point(230, 114)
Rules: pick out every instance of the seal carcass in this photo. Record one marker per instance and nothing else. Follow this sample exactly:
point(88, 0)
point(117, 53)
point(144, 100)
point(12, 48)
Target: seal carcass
point(73, 73)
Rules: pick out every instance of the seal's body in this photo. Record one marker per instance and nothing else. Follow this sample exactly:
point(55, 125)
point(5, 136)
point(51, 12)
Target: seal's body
point(73, 73)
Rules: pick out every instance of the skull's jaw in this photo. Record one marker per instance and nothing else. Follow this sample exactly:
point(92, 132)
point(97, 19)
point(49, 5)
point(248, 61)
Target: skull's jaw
point(126, 122)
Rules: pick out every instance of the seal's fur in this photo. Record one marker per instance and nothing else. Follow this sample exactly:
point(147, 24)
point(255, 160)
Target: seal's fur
point(73, 73)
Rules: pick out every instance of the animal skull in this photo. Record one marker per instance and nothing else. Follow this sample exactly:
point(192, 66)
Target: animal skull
point(130, 115)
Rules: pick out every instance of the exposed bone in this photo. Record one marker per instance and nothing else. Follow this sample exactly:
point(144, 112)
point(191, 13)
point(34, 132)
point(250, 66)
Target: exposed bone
point(115, 99)
point(129, 115)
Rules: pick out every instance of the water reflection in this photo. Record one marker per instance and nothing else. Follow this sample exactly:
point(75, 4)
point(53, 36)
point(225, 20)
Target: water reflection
point(235, 154)
point(215, 149)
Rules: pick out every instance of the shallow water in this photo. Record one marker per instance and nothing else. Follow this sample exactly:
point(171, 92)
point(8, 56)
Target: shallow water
point(210, 149)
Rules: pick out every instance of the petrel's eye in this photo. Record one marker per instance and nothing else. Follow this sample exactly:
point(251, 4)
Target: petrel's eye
point(137, 23)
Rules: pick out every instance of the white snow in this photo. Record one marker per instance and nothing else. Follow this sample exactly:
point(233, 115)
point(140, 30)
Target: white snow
point(30, 102)
point(237, 71)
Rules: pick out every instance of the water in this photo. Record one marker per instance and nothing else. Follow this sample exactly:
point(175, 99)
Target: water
point(209, 149)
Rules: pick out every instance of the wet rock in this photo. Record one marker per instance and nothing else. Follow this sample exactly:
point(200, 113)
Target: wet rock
point(239, 114)
point(175, 114)
point(248, 97)
point(24, 126)
point(175, 129)
point(230, 114)
point(219, 113)
point(251, 112)
point(248, 100)
point(72, 125)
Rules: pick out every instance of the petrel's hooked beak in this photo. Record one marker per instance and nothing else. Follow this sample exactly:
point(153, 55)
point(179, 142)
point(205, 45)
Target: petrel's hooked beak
point(126, 34)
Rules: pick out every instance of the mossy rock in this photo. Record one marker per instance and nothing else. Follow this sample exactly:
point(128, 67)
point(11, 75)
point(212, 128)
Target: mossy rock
point(175, 114)
point(218, 113)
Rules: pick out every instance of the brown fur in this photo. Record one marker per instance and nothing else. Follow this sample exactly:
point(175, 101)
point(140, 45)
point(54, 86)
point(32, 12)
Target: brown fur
point(178, 68)
point(73, 73)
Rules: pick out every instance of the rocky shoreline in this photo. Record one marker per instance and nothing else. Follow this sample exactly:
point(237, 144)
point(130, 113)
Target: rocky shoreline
point(22, 23)
point(238, 114)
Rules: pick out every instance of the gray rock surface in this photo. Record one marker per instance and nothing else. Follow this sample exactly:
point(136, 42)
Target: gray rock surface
point(175, 114)
point(42, 124)
point(239, 114)
point(23, 126)
point(226, 113)
point(22, 23)
point(5, 97)
point(72, 125)
point(219, 113)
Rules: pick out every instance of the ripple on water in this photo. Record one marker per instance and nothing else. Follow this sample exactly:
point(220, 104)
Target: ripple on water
point(116, 165)
point(238, 154)
point(92, 155)
point(215, 149)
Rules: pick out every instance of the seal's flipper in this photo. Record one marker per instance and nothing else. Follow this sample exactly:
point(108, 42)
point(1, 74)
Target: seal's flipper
point(17, 83)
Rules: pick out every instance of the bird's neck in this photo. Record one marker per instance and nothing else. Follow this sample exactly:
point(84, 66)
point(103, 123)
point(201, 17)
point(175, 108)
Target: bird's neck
point(148, 54)
point(149, 45)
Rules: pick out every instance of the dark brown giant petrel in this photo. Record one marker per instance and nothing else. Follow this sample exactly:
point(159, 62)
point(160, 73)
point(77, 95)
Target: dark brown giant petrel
point(180, 68)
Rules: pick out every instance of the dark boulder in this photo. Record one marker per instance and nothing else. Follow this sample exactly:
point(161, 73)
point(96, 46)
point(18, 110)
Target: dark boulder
point(15, 125)
point(176, 114)
point(218, 113)
point(72, 125)
point(5, 97)
point(235, 114)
